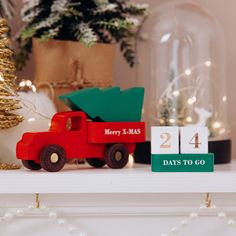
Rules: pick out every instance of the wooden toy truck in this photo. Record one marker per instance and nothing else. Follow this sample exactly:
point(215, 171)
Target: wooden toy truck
point(73, 135)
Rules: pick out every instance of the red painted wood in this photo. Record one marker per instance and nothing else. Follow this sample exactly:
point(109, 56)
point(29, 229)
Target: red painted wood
point(79, 138)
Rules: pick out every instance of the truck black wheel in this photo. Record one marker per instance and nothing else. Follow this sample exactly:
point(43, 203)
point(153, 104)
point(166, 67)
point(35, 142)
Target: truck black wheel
point(96, 162)
point(31, 165)
point(52, 158)
point(116, 156)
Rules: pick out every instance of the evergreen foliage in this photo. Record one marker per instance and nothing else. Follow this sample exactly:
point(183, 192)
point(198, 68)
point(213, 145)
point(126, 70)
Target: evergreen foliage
point(86, 21)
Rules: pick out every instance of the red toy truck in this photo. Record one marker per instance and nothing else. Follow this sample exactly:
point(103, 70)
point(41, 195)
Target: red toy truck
point(72, 135)
point(78, 134)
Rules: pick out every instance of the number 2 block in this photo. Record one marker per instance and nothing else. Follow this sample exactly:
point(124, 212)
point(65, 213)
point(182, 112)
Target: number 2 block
point(165, 140)
point(194, 140)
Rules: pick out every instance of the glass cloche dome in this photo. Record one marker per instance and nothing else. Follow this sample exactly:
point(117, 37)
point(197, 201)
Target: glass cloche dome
point(181, 64)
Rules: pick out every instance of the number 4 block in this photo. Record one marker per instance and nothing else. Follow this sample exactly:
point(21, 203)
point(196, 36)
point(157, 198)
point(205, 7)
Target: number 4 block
point(194, 140)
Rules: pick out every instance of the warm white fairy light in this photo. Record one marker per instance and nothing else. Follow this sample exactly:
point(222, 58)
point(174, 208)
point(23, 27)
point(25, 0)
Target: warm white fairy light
point(224, 98)
point(33, 89)
point(176, 93)
point(29, 84)
point(189, 119)
point(222, 131)
point(188, 72)
point(22, 84)
point(208, 63)
point(172, 121)
point(31, 119)
point(217, 125)
point(192, 100)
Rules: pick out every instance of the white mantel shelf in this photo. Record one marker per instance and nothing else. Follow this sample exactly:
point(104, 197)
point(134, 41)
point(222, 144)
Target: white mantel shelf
point(138, 179)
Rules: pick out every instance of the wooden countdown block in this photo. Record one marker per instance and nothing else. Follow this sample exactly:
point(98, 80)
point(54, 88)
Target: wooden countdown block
point(165, 140)
point(194, 140)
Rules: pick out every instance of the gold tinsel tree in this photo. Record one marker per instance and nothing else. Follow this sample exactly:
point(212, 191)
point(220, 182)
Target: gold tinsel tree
point(8, 96)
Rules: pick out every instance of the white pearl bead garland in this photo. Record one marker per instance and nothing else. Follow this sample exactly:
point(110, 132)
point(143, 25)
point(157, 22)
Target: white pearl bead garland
point(163, 234)
point(8, 217)
point(175, 230)
point(30, 207)
point(71, 229)
point(231, 222)
point(184, 222)
point(82, 234)
point(195, 214)
point(221, 215)
point(61, 222)
point(20, 212)
point(52, 215)
point(43, 208)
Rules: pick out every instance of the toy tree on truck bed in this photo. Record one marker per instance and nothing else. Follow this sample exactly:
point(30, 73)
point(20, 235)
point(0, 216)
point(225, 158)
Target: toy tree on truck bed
point(108, 105)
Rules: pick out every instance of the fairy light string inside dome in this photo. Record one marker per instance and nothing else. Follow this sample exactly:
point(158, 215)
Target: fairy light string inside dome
point(178, 103)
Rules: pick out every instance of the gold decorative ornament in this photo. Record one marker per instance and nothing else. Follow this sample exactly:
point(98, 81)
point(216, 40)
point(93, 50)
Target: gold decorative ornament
point(8, 96)
point(9, 167)
point(208, 201)
point(37, 201)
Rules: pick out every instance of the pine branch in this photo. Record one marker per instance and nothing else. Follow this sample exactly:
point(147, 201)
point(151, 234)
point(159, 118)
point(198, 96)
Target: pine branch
point(87, 21)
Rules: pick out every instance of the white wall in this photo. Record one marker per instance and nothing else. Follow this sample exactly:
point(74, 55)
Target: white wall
point(223, 10)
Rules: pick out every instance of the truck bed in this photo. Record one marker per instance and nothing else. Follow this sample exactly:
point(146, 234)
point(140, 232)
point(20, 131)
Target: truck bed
point(108, 105)
point(116, 132)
